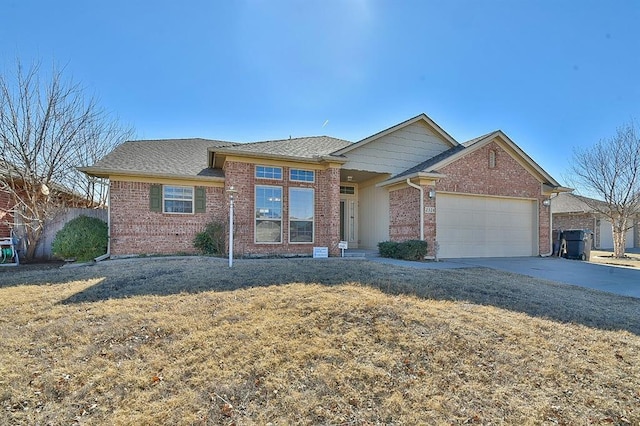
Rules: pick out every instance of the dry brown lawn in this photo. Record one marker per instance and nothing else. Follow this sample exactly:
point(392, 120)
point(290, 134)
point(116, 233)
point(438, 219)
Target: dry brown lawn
point(302, 341)
point(631, 260)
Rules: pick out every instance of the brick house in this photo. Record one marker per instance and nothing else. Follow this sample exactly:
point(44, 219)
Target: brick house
point(484, 197)
point(571, 211)
point(6, 214)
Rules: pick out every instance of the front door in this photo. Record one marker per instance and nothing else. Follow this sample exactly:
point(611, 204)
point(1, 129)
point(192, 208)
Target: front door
point(348, 222)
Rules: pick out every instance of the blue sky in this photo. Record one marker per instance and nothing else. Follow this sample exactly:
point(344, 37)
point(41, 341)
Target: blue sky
point(552, 74)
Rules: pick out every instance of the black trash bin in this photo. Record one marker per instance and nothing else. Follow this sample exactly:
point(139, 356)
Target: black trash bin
point(578, 244)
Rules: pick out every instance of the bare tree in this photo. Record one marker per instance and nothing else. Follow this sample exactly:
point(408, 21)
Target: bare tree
point(97, 140)
point(610, 171)
point(48, 127)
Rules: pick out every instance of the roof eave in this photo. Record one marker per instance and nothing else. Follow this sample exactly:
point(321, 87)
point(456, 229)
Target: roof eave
point(400, 179)
point(107, 173)
point(250, 154)
point(552, 189)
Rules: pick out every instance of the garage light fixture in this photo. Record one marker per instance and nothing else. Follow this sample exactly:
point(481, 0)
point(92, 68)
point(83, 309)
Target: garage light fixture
point(432, 193)
point(546, 202)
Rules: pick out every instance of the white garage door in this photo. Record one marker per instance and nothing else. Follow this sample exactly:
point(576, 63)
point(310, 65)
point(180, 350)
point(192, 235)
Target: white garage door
point(470, 226)
point(606, 236)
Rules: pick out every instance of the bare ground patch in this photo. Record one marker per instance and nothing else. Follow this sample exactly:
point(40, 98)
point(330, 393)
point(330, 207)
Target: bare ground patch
point(188, 341)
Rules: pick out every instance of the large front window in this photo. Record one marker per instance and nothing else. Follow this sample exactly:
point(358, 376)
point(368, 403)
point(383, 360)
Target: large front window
point(301, 213)
point(177, 199)
point(268, 214)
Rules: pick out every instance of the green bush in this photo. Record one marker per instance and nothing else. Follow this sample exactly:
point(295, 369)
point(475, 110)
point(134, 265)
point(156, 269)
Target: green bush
point(406, 250)
point(212, 240)
point(388, 249)
point(83, 238)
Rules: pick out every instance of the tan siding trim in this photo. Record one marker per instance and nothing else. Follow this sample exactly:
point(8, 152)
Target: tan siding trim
point(167, 181)
point(279, 163)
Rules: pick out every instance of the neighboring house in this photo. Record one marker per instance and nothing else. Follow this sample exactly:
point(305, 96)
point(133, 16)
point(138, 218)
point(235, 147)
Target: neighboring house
point(6, 214)
point(572, 211)
point(485, 197)
point(12, 184)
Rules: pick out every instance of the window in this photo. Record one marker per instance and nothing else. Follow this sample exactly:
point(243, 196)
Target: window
point(268, 214)
point(347, 190)
point(301, 175)
point(266, 172)
point(492, 159)
point(301, 213)
point(177, 199)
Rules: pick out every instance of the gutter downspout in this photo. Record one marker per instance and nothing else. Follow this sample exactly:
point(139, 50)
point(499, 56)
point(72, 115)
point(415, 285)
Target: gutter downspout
point(421, 189)
point(107, 255)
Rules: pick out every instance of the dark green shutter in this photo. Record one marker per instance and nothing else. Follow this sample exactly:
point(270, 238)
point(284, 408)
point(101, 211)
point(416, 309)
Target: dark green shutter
point(200, 200)
point(155, 198)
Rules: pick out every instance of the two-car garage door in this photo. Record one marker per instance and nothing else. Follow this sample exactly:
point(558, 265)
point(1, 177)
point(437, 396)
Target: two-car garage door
point(478, 226)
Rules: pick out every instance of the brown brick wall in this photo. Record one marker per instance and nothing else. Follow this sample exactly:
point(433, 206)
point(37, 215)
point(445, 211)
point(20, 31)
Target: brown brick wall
point(468, 175)
point(404, 210)
point(137, 230)
point(563, 221)
point(6, 217)
point(327, 210)
point(404, 220)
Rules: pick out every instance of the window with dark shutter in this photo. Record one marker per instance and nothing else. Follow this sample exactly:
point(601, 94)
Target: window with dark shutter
point(200, 200)
point(155, 198)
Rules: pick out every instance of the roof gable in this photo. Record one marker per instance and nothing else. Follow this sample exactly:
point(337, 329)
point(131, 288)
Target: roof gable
point(398, 148)
point(426, 166)
point(433, 166)
point(509, 146)
point(423, 118)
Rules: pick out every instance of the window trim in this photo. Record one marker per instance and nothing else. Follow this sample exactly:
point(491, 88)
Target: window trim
point(313, 215)
point(346, 189)
point(255, 220)
point(193, 199)
point(313, 175)
point(267, 167)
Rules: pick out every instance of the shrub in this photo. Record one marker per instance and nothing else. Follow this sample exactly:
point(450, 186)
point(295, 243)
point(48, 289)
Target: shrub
point(388, 249)
point(83, 238)
point(212, 240)
point(406, 250)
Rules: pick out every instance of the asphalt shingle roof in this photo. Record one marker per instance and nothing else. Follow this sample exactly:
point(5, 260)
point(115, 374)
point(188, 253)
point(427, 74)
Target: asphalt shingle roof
point(479, 138)
point(179, 157)
point(306, 148)
point(422, 167)
point(572, 203)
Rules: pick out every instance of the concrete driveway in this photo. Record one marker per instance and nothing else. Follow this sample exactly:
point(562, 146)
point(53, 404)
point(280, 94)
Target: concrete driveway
point(613, 279)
